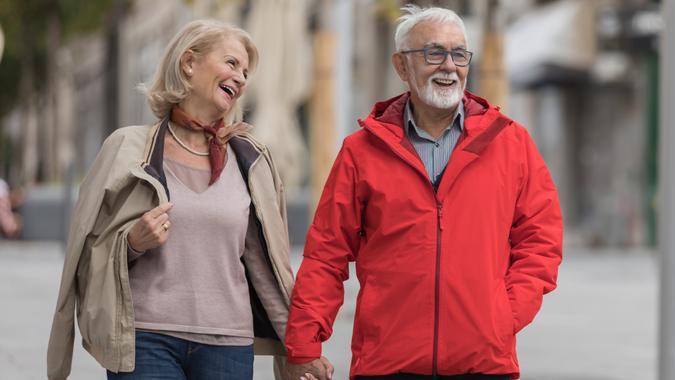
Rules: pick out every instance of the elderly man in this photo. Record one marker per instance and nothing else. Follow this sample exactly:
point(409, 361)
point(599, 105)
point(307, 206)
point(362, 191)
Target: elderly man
point(451, 216)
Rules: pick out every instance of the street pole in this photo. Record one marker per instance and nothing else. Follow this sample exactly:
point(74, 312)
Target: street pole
point(493, 85)
point(330, 108)
point(667, 202)
point(2, 42)
point(344, 14)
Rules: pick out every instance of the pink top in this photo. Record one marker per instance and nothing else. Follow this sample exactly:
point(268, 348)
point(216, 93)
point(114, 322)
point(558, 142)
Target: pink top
point(194, 287)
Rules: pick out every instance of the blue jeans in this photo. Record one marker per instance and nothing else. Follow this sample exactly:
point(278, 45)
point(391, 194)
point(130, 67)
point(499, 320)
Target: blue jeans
point(167, 358)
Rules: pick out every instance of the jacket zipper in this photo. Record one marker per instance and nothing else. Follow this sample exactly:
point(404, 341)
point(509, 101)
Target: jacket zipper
point(439, 208)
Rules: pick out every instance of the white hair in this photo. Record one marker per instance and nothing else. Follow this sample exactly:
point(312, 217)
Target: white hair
point(414, 14)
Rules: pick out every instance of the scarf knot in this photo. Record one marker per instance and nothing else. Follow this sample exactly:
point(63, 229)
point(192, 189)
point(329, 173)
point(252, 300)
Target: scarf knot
point(217, 135)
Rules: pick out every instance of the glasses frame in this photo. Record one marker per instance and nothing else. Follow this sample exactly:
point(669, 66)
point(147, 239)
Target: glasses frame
point(445, 56)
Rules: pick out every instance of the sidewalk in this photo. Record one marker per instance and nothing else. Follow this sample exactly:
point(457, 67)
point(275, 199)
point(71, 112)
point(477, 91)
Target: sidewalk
point(599, 325)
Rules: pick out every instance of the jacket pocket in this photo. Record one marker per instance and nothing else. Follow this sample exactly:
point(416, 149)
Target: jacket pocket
point(505, 320)
point(364, 325)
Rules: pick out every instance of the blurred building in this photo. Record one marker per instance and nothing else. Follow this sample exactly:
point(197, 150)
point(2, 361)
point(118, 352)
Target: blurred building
point(583, 78)
point(580, 75)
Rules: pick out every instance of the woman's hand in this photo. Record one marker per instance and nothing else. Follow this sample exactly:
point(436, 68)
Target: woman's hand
point(151, 230)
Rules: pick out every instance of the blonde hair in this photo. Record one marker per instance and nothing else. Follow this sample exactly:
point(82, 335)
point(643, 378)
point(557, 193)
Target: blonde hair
point(171, 86)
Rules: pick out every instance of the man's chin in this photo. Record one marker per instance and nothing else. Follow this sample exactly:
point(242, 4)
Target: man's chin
point(443, 99)
point(445, 103)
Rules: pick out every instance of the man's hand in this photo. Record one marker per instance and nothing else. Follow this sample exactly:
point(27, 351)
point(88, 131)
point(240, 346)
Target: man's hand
point(317, 369)
point(151, 230)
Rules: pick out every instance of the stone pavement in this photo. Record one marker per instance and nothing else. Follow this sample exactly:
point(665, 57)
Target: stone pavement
point(600, 324)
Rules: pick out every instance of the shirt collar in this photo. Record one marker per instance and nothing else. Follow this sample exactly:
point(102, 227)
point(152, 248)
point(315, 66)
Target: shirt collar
point(410, 122)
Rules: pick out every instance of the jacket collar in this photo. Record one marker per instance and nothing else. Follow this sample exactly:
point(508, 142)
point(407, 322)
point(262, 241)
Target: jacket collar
point(247, 153)
point(154, 156)
point(244, 147)
point(482, 125)
point(389, 113)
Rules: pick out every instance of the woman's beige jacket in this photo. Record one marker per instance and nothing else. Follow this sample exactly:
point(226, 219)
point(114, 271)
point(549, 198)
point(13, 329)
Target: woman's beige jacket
point(125, 181)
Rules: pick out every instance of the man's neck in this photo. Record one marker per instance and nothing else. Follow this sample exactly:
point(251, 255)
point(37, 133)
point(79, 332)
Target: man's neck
point(432, 120)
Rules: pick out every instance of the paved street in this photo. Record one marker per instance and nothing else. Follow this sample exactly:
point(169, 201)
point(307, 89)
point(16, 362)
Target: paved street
point(599, 325)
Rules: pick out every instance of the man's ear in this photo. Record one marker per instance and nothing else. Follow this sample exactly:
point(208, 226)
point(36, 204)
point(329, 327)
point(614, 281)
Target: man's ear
point(398, 60)
point(187, 62)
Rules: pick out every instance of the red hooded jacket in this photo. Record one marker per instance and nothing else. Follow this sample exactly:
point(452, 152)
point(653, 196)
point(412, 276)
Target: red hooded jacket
point(447, 277)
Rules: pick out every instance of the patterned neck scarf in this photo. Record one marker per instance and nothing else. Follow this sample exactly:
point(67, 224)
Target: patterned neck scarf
point(217, 135)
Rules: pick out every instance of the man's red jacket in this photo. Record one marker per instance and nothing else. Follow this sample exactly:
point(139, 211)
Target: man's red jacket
point(447, 277)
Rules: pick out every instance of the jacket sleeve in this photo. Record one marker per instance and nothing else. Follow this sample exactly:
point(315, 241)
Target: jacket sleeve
point(332, 241)
point(91, 192)
point(536, 239)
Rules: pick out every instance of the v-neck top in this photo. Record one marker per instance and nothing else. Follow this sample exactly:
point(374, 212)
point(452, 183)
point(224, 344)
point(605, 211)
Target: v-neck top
point(194, 286)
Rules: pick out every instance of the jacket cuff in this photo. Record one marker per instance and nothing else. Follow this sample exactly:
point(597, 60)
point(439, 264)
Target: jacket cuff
point(132, 254)
point(304, 353)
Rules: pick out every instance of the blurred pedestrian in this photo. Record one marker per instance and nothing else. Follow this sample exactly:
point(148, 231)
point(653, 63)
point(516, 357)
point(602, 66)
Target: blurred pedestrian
point(10, 225)
point(451, 216)
point(180, 289)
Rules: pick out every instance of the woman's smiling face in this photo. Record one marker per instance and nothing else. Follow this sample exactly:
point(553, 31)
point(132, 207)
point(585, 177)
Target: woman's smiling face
point(218, 78)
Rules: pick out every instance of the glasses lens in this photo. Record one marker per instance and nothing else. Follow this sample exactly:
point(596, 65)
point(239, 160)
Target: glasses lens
point(460, 57)
point(435, 56)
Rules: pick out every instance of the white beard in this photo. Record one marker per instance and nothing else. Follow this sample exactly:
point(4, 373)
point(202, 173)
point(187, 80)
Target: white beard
point(439, 98)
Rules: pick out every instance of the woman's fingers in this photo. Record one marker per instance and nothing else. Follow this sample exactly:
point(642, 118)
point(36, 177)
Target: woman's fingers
point(152, 229)
point(160, 222)
point(161, 209)
point(157, 215)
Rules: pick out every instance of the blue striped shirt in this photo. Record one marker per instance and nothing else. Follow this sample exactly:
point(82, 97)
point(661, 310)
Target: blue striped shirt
point(435, 153)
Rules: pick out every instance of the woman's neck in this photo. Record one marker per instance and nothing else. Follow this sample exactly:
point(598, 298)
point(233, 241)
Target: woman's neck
point(201, 114)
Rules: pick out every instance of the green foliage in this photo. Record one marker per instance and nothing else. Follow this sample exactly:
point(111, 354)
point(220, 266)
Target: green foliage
point(81, 16)
point(25, 25)
point(9, 82)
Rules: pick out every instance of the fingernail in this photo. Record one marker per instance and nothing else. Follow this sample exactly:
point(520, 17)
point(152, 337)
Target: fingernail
point(303, 378)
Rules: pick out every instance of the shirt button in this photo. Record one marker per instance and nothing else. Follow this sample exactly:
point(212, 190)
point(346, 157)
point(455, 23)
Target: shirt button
point(437, 145)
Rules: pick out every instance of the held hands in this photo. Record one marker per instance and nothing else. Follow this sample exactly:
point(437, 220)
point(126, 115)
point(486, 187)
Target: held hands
point(317, 369)
point(151, 230)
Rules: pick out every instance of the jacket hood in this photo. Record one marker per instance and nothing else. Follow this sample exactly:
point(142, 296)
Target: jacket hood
point(482, 122)
point(390, 111)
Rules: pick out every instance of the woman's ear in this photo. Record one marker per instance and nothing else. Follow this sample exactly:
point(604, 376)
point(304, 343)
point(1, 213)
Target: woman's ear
point(187, 62)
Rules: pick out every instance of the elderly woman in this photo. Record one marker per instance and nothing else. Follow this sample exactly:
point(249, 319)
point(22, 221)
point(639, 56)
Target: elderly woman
point(177, 259)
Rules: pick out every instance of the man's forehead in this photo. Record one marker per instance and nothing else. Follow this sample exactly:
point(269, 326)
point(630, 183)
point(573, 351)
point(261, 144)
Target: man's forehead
point(431, 33)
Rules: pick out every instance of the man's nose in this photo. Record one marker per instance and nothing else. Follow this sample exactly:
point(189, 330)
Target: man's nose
point(448, 64)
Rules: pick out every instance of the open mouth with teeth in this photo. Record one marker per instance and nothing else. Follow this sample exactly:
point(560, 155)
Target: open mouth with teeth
point(444, 82)
point(228, 90)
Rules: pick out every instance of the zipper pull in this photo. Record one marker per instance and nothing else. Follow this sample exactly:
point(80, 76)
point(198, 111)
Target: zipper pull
point(440, 216)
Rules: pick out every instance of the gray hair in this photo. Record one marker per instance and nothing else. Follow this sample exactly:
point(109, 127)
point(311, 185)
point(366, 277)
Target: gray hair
point(171, 86)
point(413, 15)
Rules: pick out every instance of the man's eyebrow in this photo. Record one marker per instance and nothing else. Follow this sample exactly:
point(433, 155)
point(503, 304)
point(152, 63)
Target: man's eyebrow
point(437, 45)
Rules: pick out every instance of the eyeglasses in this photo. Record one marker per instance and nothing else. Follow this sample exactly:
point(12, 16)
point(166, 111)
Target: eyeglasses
point(437, 56)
